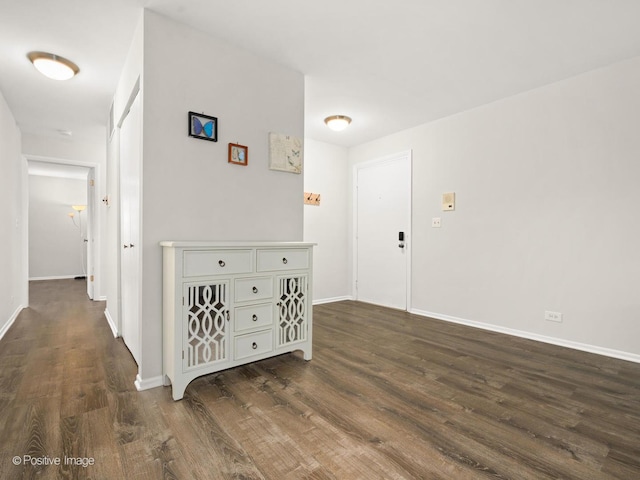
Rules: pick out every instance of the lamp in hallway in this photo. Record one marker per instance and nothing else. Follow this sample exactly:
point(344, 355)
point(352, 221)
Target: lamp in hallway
point(80, 209)
point(53, 66)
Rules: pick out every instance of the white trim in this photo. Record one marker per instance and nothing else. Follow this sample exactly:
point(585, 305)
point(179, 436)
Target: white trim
point(111, 323)
point(101, 298)
point(152, 382)
point(57, 277)
point(60, 160)
point(354, 215)
point(11, 321)
point(332, 300)
point(607, 352)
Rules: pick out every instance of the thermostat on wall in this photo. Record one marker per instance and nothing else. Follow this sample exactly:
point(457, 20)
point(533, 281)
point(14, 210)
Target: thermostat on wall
point(448, 201)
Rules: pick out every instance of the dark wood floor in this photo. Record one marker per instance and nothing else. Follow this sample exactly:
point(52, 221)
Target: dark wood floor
point(388, 395)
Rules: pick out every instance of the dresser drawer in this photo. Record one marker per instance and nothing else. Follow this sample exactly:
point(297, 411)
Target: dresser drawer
point(283, 259)
point(254, 288)
point(198, 263)
point(253, 316)
point(253, 344)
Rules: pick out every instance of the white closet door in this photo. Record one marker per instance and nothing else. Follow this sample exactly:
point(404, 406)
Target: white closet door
point(130, 150)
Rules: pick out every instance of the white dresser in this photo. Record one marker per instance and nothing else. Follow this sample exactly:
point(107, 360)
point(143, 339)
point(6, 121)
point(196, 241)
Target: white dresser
point(227, 304)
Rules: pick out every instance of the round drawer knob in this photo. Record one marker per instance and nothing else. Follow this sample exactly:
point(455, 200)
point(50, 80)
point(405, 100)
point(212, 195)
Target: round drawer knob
point(254, 318)
point(255, 289)
point(284, 260)
point(221, 263)
point(254, 345)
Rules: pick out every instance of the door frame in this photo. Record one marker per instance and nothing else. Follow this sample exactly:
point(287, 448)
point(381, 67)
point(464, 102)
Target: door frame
point(408, 154)
point(94, 235)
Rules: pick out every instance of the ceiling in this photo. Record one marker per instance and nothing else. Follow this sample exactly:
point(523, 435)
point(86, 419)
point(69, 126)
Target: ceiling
point(388, 65)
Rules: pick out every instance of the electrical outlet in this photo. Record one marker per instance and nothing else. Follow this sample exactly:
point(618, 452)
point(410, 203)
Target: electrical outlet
point(553, 316)
point(435, 222)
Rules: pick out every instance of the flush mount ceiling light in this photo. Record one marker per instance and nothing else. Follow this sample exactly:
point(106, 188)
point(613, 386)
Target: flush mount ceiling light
point(53, 66)
point(337, 122)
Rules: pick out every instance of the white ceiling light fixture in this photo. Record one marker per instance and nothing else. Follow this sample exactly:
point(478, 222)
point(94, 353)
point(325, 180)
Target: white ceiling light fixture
point(337, 122)
point(53, 66)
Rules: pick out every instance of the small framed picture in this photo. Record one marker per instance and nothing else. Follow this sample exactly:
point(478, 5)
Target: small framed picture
point(238, 154)
point(203, 126)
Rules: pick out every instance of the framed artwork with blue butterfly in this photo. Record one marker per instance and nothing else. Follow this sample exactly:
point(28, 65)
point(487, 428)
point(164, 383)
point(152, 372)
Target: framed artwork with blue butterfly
point(203, 126)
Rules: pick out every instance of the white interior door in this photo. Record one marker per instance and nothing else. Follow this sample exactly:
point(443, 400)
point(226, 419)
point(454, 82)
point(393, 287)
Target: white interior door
point(383, 211)
point(130, 143)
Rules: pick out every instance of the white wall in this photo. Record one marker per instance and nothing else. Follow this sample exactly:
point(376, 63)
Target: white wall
point(189, 190)
point(13, 280)
point(326, 173)
point(56, 247)
point(546, 215)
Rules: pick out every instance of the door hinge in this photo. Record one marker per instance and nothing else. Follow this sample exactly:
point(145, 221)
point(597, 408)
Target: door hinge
point(183, 354)
point(91, 278)
point(92, 183)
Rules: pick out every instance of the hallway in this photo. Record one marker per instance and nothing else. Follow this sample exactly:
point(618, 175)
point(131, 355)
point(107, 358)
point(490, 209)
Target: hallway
point(62, 374)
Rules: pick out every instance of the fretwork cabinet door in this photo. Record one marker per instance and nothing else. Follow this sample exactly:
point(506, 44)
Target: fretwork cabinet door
point(292, 307)
point(205, 329)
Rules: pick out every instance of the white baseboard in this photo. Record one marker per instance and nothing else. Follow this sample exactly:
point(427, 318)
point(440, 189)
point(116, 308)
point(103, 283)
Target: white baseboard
point(607, 352)
point(331, 300)
point(152, 382)
point(56, 277)
point(10, 322)
point(111, 323)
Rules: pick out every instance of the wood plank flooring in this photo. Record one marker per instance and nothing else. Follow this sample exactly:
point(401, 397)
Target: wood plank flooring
point(388, 395)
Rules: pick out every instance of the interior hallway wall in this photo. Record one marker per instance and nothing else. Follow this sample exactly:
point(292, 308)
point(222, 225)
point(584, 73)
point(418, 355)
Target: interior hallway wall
point(13, 280)
point(189, 190)
point(56, 245)
point(325, 173)
point(546, 215)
